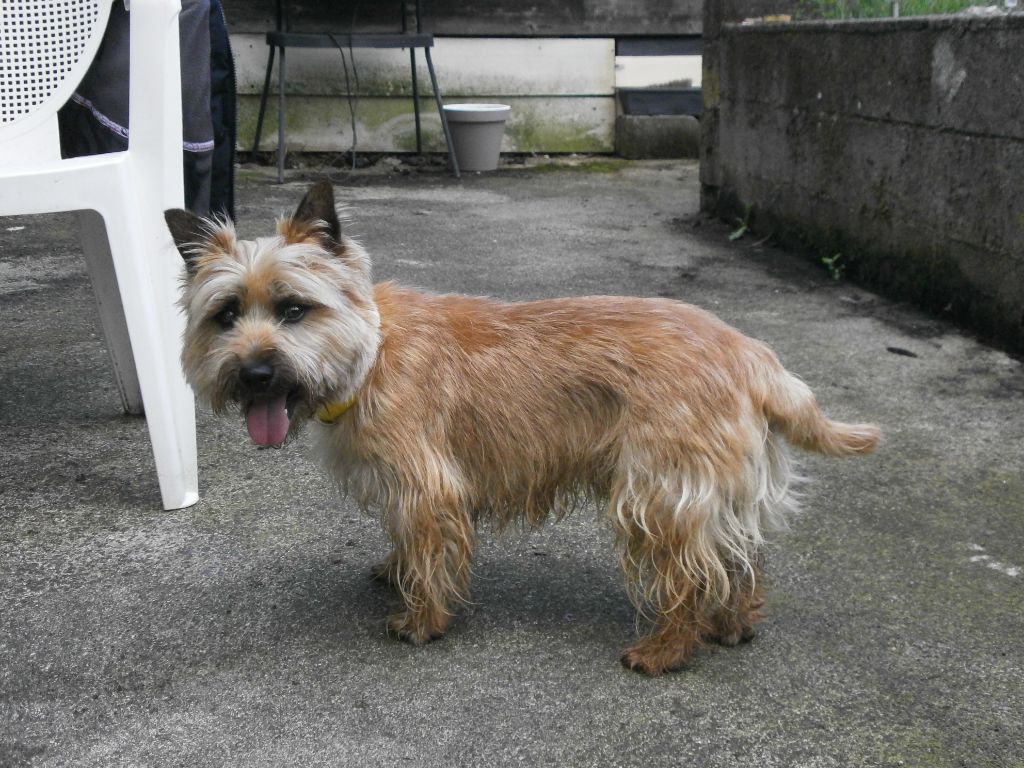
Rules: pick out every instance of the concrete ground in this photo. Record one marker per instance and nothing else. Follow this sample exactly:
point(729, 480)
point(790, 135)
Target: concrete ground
point(245, 630)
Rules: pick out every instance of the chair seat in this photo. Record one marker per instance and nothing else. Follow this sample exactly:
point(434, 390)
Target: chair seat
point(282, 39)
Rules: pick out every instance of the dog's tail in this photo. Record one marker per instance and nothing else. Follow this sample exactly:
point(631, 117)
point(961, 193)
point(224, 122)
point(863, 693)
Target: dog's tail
point(791, 408)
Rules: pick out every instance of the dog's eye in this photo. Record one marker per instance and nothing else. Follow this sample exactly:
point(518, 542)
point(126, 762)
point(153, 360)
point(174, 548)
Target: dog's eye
point(226, 317)
point(292, 313)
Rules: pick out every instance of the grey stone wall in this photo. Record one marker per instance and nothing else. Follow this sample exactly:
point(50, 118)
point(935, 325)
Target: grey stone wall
point(897, 144)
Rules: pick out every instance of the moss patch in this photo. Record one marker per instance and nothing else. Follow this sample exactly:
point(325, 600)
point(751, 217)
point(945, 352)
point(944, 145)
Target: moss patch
point(917, 748)
point(387, 124)
point(530, 132)
point(602, 165)
point(384, 124)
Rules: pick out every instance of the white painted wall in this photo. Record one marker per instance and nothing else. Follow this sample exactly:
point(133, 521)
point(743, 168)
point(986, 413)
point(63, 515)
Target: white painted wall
point(562, 92)
point(647, 71)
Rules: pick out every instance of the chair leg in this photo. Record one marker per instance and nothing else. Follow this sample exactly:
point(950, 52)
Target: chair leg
point(281, 143)
point(263, 101)
point(440, 110)
point(93, 236)
point(147, 268)
point(416, 101)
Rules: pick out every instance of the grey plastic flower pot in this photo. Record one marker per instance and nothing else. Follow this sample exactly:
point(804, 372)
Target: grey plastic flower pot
point(476, 133)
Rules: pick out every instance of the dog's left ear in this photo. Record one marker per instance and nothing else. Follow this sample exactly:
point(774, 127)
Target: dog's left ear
point(189, 232)
point(317, 213)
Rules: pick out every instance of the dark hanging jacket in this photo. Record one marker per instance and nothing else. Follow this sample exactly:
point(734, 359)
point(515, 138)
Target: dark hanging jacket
point(95, 120)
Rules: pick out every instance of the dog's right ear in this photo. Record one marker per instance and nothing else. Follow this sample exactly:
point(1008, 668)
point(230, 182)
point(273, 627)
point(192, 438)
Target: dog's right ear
point(315, 217)
point(318, 206)
point(190, 234)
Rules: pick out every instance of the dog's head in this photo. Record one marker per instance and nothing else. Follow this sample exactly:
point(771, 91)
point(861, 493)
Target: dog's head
point(282, 326)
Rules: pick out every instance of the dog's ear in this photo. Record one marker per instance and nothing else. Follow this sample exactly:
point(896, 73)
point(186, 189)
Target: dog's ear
point(190, 233)
point(317, 214)
point(195, 236)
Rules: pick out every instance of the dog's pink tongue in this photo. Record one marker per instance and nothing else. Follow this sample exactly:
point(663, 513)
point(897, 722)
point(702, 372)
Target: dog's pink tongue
point(268, 421)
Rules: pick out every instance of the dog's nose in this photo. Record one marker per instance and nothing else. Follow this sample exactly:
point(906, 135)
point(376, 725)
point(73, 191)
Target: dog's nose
point(256, 375)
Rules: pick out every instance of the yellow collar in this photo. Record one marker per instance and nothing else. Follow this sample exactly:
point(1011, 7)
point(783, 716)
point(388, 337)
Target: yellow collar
point(331, 412)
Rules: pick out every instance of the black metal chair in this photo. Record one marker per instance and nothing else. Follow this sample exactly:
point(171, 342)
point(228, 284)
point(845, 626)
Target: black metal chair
point(282, 37)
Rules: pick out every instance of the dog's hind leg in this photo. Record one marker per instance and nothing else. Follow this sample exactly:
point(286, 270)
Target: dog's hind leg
point(687, 564)
point(430, 568)
point(665, 593)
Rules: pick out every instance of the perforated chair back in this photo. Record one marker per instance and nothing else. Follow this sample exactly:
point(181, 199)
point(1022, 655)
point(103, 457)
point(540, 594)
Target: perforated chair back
point(46, 47)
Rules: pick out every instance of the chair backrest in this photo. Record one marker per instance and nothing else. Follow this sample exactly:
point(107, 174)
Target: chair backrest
point(46, 47)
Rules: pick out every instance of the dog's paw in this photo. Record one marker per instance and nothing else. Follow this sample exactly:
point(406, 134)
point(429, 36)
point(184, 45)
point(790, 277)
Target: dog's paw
point(730, 628)
point(653, 659)
point(636, 661)
point(412, 628)
point(733, 637)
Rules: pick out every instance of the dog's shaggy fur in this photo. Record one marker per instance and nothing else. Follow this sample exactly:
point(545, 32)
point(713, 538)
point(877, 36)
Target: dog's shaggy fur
point(446, 410)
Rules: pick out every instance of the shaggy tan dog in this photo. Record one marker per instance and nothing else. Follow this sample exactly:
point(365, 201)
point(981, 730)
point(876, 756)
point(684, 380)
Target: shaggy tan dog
point(441, 411)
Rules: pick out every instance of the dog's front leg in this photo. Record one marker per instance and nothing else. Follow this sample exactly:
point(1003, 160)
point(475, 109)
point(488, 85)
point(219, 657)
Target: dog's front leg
point(430, 567)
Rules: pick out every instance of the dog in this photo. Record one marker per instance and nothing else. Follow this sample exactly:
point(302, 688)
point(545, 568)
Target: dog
point(442, 411)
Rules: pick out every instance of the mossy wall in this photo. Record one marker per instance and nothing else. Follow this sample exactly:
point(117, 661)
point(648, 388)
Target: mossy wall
point(896, 146)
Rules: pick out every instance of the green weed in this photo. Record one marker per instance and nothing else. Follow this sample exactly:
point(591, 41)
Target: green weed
point(872, 9)
point(834, 264)
point(742, 226)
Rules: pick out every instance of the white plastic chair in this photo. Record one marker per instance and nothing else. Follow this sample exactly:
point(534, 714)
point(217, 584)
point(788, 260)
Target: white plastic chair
point(46, 47)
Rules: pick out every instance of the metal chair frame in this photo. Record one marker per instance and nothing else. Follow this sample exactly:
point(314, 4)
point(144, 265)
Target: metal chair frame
point(282, 38)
